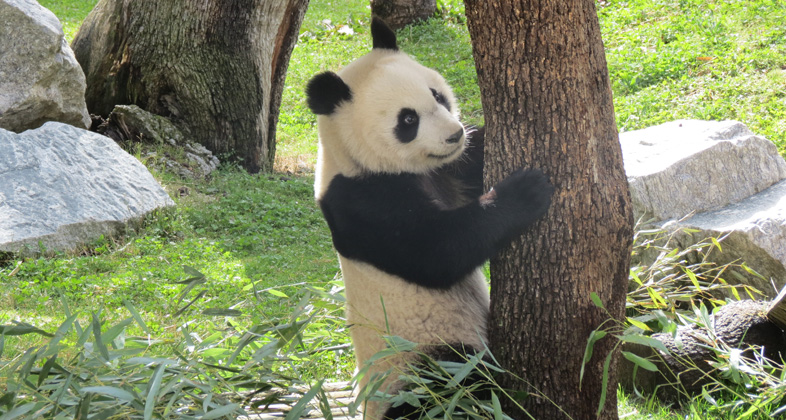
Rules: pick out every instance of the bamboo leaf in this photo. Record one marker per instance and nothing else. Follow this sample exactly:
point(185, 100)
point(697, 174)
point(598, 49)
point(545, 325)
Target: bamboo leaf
point(692, 276)
point(183, 309)
point(99, 343)
point(465, 370)
point(595, 335)
point(454, 402)
point(111, 333)
point(643, 340)
point(21, 328)
point(221, 312)
point(735, 293)
point(62, 330)
point(605, 384)
point(596, 300)
point(222, 411)
point(277, 293)
point(707, 397)
point(105, 414)
point(83, 409)
point(640, 361)
point(136, 316)
point(152, 392)
point(300, 406)
point(638, 324)
point(497, 406)
point(18, 412)
point(111, 391)
point(46, 369)
point(193, 272)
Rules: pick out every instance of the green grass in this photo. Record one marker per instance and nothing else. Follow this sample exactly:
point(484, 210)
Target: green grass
point(70, 12)
point(236, 229)
point(260, 239)
point(707, 60)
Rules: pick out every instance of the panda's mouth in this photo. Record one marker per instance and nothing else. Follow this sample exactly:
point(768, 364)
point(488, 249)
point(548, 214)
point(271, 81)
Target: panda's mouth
point(445, 156)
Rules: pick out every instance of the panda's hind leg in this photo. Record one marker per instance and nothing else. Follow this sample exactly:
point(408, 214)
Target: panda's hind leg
point(450, 353)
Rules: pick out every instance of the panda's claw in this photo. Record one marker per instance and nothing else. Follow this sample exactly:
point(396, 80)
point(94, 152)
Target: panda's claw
point(526, 192)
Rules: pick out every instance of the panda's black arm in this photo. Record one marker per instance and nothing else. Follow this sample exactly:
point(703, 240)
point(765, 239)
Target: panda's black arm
point(387, 221)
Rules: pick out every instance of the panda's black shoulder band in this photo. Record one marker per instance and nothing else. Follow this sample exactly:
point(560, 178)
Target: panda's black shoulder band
point(382, 36)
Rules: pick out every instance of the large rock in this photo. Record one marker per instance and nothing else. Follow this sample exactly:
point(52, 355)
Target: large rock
point(689, 166)
point(754, 232)
point(40, 79)
point(714, 179)
point(61, 187)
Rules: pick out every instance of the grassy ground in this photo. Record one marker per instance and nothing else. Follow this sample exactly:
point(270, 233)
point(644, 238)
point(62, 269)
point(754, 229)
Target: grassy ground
point(667, 60)
point(707, 60)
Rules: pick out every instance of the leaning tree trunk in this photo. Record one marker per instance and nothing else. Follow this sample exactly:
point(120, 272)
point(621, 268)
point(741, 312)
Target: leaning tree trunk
point(215, 68)
point(689, 365)
point(400, 13)
point(547, 104)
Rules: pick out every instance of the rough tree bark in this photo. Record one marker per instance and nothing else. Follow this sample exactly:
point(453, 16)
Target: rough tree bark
point(547, 104)
point(215, 68)
point(400, 13)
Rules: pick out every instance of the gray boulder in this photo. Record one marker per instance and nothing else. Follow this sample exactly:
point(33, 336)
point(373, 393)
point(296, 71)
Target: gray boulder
point(713, 179)
point(754, 231)
point(62, 187)
point(688, 166)
point(40, 80)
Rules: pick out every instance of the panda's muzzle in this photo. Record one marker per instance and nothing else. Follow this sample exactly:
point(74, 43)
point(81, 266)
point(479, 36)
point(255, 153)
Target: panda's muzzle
point(455, 137)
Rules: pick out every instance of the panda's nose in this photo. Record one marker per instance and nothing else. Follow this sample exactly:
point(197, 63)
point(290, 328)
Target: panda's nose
point(455, 137)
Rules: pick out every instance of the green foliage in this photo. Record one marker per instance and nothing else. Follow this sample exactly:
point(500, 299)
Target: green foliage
point(466, 389)
point(96, 369)
point(672, 278)
point(673, 288)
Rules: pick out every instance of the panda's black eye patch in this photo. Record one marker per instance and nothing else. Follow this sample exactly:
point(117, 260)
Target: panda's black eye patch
point(440, 98)
point(407, 126)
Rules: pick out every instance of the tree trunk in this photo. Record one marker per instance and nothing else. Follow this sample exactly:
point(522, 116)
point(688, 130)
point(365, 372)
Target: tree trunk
point(547, 104)
point(400, 13)
point(215, 68)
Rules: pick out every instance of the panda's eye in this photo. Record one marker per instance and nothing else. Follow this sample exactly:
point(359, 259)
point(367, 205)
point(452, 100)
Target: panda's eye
point(440, 98)
point(407, 125)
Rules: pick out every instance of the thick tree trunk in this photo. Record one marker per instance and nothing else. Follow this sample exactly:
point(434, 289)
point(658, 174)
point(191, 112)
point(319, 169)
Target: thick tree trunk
point(547, 104)
point(400, 13)
point(215, 68)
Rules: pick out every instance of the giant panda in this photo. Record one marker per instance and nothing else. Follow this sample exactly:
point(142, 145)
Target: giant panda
point(399, 181)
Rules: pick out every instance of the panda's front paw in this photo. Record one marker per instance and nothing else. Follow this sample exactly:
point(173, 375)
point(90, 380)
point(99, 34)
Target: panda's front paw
point(525, 192)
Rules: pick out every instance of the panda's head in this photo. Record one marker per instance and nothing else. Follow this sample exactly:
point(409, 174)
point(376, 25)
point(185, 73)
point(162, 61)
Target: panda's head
point(385, 113)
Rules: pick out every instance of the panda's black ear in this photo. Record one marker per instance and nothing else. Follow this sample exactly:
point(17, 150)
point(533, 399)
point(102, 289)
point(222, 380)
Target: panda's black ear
point(382, 36)
point(325, 92)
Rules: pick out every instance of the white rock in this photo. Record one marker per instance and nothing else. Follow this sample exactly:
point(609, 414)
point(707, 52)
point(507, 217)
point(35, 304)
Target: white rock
point(729, 182)
point(40, 80)
point(756, 229)
point(61, 186)
point(689, 166)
